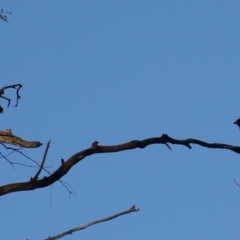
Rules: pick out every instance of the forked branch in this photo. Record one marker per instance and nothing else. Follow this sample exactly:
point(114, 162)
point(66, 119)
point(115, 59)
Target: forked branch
point(43, 161)
point(2, 92)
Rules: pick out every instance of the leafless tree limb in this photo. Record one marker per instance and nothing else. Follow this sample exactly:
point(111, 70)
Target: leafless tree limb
point(2, 91)
point(130, 210)
point(6, 137)
point(96, 149)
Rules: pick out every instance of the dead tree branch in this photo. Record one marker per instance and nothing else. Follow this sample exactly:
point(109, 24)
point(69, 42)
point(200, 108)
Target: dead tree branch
point(6, 137)
point(95, 148)
point(70, 231)
point(2, 92)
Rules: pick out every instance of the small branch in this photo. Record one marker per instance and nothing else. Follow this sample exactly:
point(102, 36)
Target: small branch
point(14, 86)
point(234, 180)
point(23, 165)
point(130, 210)
point(7, 160)
point(168, 146)
point(43, 161)
point(8, 99)
point(66, 185)
point(18, 96)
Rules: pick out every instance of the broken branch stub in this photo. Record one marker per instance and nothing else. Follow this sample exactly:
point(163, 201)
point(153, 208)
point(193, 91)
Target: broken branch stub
point(6, 137)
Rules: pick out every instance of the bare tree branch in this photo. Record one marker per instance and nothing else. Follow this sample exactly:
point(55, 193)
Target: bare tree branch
point(95, 148)
point(8, 138)
point(14, 86)
point(70, 231)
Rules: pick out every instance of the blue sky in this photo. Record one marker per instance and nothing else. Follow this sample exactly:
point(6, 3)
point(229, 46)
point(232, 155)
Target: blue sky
point(115, 71)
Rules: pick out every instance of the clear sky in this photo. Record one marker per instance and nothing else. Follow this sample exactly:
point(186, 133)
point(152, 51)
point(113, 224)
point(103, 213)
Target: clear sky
point(115, 71)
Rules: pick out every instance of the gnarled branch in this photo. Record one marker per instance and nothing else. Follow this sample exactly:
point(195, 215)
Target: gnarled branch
point(2, 91)
point(95, 148)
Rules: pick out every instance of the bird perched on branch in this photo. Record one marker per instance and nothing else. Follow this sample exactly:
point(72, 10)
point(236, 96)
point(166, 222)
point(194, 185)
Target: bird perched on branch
point(237, 122)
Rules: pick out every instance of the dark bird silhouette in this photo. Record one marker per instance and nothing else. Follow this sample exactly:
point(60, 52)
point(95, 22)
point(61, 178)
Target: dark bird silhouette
point(237, 122)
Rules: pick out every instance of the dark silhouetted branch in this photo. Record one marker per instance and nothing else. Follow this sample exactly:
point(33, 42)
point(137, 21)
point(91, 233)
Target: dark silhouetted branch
point(2, 92)
point(96, 149)
point(43, 161)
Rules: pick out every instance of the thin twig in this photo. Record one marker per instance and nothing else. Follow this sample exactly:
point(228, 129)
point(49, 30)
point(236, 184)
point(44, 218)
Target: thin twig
point(70, 231)
point(24, 165)
point(7, 160)
point(234, 180)
point(2, 91)
point(9, 148)
point(66, 185)
point(43, 161)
